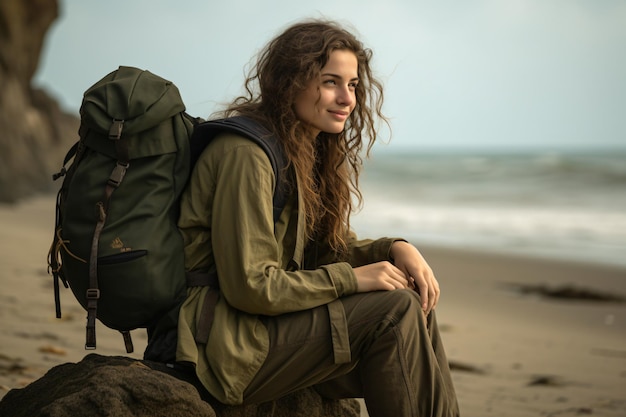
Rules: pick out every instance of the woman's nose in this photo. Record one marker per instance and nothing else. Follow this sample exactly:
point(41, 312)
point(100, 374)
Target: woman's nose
point(345, 96)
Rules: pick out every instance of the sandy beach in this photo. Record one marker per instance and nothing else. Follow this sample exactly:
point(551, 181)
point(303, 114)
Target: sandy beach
point(525, 337)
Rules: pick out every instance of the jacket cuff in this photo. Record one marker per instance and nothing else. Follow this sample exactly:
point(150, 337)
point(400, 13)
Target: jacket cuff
point(381, 248)
point(343, 278)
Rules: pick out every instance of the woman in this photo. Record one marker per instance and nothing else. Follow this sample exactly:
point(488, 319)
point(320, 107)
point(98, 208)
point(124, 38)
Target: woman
point(301, 301)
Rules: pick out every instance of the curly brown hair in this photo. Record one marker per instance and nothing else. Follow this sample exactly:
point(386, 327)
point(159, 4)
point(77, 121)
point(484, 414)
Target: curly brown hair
point(327, 166)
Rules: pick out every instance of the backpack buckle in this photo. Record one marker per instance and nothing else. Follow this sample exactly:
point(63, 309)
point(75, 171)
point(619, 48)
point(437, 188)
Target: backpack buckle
point(93, 293)
point(117, 175)
point(115, 131)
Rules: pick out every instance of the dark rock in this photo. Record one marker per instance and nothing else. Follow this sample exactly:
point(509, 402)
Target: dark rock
point(120, 386)
point(35, 132)
point(566, 292)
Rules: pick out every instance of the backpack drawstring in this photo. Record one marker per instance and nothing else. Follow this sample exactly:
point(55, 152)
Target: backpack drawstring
point(55, 253)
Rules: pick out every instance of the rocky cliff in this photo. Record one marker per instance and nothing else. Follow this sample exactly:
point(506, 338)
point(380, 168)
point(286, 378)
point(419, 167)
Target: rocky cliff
point(34, 132)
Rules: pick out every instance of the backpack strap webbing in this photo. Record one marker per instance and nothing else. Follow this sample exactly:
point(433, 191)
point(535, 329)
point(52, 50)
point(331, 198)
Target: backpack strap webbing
point(54, 261)
point(205, 132)
point(114, 181)
point(205, 278)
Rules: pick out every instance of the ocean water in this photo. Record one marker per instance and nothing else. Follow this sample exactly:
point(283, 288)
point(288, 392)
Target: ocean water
point(550, 204)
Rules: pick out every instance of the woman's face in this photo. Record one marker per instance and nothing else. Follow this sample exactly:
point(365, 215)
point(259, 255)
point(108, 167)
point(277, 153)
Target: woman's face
point(327, 102)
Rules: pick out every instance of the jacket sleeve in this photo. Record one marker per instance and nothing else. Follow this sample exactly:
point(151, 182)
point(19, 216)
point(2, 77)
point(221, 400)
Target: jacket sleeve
point(360, 252)
point(367, 251)
point(246, 251)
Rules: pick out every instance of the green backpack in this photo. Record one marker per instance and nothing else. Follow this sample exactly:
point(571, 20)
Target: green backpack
point(116, 242)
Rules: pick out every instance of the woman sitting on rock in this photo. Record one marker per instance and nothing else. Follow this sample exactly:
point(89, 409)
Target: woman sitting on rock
point(301, 301)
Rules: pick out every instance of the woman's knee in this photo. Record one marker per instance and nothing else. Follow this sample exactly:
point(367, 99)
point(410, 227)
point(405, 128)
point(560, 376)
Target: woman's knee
point(398, 305)
point(383, 308)
point(405, 301)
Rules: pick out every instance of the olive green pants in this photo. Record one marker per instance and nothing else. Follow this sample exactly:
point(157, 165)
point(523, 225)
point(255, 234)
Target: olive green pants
point(397, 364)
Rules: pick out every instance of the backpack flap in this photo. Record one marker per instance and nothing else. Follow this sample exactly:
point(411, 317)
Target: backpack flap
point(140, 98)
point(142, 101)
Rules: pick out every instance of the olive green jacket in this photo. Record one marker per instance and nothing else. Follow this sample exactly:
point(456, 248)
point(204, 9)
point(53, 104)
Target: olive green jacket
point(227, 222)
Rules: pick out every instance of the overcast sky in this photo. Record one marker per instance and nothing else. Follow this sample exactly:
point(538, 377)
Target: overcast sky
point(458, 73)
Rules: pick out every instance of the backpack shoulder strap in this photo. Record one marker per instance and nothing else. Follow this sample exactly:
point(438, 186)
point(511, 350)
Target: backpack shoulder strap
point(205, 132)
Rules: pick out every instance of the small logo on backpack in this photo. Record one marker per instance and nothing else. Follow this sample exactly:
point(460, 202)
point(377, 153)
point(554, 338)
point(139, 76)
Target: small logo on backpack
point(118, 244)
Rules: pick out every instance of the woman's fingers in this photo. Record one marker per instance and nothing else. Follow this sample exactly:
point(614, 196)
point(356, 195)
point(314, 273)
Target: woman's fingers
point(422, 289)
point(421, 276)
point(380, 276)
point(428, 288)
point(384, 276)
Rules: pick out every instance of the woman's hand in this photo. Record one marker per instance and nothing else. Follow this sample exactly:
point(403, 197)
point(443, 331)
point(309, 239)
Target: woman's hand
point(410, 261)
point(380, 276)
